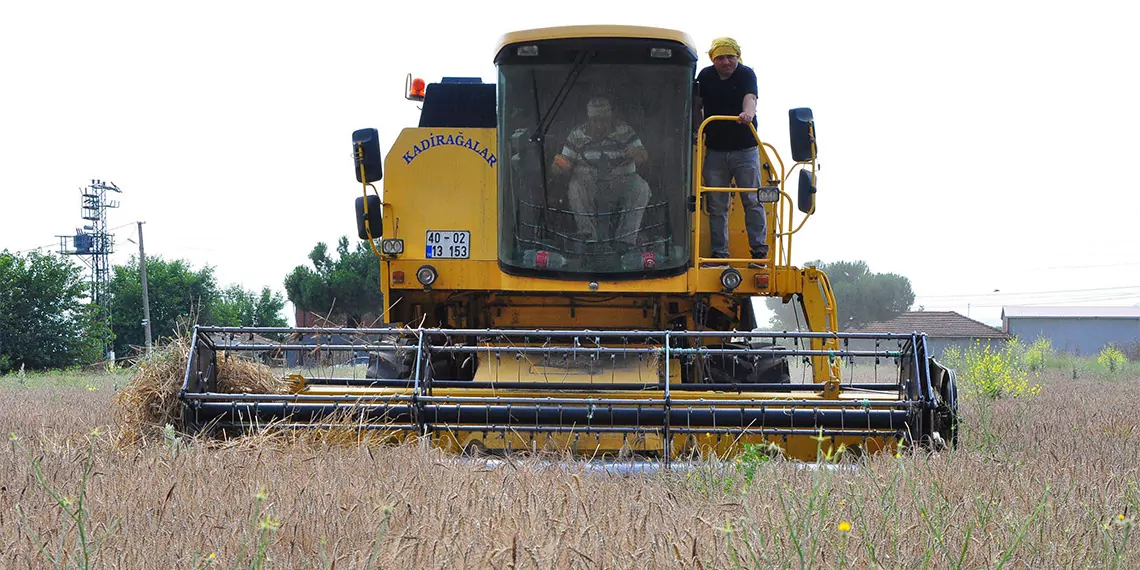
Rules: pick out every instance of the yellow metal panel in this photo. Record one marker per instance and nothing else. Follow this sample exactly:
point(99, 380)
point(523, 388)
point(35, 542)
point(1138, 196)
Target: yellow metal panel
point(567, 32)
point(581, 316)
point(582, 369)
point(820, 314)
point(443, 179)
point(664, 285)
point(457, 439)
point(485, 275)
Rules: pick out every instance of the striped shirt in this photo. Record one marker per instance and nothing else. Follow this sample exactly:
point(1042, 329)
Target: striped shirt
point(602, 157)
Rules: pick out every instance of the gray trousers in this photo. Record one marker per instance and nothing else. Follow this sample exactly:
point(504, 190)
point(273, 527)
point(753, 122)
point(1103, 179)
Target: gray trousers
point(592, 199)
point(720, 169)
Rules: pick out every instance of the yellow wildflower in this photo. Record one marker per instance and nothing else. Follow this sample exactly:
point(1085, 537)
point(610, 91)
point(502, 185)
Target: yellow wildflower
point(269, 523)
point(844, 527)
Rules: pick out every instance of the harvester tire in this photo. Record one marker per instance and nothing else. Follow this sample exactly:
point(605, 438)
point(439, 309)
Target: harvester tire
point(392, 365)
point(948, 412)
point(770, 369)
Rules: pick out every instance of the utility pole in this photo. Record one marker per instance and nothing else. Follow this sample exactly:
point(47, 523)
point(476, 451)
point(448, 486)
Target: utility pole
point(145, 291)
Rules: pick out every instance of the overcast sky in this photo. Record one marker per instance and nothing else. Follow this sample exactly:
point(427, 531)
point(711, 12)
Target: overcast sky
point(971, 146)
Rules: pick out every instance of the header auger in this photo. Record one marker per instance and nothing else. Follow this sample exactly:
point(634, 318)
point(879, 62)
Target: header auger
point(542, 292)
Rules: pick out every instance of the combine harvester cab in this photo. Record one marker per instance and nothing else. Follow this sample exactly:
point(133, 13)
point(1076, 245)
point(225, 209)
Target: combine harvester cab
point(548, 285)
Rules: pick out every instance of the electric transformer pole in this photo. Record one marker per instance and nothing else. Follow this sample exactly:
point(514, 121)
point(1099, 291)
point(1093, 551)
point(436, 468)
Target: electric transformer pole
point(94, 245)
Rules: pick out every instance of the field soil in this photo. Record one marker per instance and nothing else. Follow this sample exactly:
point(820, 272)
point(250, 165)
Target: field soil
point(1051, 481)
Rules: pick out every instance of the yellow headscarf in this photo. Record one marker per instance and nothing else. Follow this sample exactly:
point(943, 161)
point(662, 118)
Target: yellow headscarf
point(724, 46)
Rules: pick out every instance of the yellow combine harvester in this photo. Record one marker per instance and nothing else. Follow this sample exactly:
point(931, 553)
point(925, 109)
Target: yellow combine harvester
point(520, 316)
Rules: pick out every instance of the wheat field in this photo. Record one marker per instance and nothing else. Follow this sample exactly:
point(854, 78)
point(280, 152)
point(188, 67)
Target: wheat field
point(1051, 481)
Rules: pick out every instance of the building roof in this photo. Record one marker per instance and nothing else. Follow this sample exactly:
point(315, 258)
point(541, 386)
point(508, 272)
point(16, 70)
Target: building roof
point(1071, 312)
point(936, 324)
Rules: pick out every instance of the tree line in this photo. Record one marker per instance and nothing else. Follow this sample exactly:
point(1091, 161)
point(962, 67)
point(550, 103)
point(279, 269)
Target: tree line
point(47, 319)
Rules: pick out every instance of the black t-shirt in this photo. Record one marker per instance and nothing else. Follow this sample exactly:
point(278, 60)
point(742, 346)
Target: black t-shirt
point(726, 97)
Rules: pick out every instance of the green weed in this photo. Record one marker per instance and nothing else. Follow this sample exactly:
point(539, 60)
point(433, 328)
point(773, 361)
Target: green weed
point(1111, 359)
point(1038, 354)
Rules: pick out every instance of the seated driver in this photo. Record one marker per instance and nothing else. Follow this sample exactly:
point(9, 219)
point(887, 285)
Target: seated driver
point(603, 156)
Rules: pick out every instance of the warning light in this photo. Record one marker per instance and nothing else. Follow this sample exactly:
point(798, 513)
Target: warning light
point(397, 276)
point(414, 89)
point(761, 281)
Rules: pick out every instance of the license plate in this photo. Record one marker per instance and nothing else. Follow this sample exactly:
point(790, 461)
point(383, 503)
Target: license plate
point(448, 244)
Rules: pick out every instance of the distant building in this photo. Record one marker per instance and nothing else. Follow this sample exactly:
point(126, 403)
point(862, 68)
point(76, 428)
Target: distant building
point(1079, 330)
point(943, 329)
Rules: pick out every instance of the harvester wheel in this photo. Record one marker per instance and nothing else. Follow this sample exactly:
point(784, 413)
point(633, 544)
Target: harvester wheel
point(476, 448)
point(392, 365)
point(943, 430)
point(771, 369)
point(947, 415)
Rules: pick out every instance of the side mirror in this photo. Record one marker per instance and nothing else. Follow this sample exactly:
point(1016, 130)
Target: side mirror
point(801, 128)
point(806, 201)
point(375, 222)
point(366, 152)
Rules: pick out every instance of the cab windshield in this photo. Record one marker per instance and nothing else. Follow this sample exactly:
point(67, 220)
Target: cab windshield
point(599, 149)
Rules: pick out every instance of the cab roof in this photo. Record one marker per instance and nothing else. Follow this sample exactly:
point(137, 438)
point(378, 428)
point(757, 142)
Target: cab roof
point(568, 32)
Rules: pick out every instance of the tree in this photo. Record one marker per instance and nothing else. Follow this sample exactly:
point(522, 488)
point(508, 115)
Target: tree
point(45, 321)
point(237, 307)
point(346, 285)
point(861, 296)
point(176, 292)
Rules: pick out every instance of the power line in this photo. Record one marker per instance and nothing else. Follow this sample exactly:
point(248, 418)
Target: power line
point(1028, 293)
point(38, 247)
point(1032, 303)
point(1094, 266)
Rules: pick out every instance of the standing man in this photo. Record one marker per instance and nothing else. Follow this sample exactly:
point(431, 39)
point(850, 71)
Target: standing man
point(728, 87)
